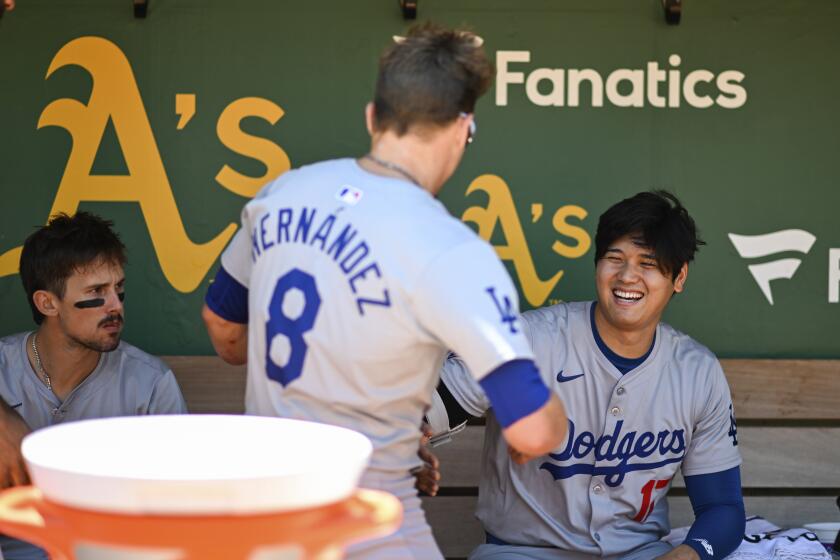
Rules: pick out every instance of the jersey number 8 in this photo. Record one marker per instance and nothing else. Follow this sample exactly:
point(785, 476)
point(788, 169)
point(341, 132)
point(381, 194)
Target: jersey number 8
point(292, 328)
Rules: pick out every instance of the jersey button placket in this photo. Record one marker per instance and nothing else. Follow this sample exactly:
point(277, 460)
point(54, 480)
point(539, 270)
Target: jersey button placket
point(58, 414)
point(599, 498)
point(600, 495)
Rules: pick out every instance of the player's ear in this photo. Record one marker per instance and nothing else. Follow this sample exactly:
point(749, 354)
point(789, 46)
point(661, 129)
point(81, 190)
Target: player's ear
point(679, 281)
point(46, 302)
point(370, 118)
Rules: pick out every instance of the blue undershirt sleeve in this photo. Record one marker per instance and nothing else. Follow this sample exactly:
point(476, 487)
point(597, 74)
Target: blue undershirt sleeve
point(227, 298)
point(719, 517)
point(515, 390)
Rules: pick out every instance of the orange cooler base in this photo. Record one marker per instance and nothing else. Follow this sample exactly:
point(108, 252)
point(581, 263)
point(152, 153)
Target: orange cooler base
point(320, 533)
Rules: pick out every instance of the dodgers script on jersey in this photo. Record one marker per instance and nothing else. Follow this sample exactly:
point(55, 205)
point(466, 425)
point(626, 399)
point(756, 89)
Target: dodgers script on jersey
point(602, 492)
point(357, 283)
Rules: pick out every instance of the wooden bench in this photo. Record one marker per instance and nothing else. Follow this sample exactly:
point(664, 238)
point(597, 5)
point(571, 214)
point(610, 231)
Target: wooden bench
point(788, 433)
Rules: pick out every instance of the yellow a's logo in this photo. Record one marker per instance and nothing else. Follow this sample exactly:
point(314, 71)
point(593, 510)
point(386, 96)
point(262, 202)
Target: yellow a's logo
point(115, 96)
point(501, 210)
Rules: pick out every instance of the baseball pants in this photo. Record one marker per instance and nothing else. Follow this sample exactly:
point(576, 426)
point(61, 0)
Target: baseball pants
point(413, 540)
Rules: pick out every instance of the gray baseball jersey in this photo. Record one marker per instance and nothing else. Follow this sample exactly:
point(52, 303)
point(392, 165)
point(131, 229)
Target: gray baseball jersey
point(357, 283)
point(602, 492)
point(125, 382)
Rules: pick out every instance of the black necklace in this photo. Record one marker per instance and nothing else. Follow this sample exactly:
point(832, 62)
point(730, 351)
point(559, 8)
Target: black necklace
point(393, 167)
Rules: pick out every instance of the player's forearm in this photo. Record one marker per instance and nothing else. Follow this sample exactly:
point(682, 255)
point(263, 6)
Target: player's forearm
point(719, 513)
point(12, 431)
point(230, 340)
point(533, 419)
point(541, 431)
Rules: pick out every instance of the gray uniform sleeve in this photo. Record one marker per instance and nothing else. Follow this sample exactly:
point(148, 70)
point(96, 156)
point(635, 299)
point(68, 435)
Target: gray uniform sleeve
point(236, 259)
point(466, 300)
point(463, 386)
point(166, 396)
point(714, 443)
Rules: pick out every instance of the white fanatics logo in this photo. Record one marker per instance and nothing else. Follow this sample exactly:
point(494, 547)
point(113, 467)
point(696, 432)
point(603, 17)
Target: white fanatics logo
point(652, 85)
point(757, 246)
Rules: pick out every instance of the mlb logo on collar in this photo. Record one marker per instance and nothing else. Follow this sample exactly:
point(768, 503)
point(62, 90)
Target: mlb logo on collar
point(349, 195)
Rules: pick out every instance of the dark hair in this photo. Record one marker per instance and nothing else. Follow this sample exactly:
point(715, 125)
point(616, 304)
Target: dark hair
point(655, 219)
point(430, 77)
point(67, 244)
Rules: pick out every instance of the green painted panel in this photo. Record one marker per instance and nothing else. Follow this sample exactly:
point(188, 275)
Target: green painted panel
point(765, 166)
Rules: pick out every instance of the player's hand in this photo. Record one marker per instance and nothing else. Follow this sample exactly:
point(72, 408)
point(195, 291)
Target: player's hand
point(10, 4)
point(427, 476)
point(518, 457)
point(12, 430)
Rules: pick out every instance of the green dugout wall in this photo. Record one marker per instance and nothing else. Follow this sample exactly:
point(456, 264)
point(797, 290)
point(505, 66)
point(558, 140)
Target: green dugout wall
point(167, 125)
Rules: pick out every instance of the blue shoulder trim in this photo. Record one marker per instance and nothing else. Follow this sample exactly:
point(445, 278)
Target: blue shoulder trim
point(515, 390)
point(227, 298)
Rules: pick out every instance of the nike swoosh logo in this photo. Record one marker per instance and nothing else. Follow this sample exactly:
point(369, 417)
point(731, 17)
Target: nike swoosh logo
point(16, 405)
point(561, 379)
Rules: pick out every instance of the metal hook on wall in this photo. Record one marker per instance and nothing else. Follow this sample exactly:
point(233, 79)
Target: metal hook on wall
point(140, 8)
point(409, 8)
point(673, 11)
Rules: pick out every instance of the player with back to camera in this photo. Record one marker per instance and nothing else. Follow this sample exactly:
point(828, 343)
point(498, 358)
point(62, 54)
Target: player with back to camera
point(349, 280)
point(643, 400)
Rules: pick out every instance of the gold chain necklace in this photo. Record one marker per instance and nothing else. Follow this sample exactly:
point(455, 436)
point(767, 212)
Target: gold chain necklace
point(39, 365)
point(393, 167)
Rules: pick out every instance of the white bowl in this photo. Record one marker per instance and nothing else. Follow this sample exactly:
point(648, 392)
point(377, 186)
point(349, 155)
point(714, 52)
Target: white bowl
point(196, 465)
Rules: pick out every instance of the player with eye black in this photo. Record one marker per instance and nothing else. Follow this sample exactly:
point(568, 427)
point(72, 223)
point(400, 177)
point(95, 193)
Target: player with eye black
point(73, 366)
point(643, 401)
point(349, 280)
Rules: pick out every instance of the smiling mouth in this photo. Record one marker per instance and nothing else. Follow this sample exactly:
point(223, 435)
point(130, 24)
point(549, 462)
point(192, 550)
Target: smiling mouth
point(628, 296)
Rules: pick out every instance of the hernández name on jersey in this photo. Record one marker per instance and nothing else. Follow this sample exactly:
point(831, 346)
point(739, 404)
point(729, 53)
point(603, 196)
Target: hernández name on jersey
point(628, 449)
point(327, 233)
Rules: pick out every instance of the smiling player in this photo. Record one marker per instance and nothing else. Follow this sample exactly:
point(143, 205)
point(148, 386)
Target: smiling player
point(643, 400)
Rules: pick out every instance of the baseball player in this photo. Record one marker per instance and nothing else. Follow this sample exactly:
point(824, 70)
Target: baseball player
point(642, 399)
point(74, 365)
point(348, 281)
